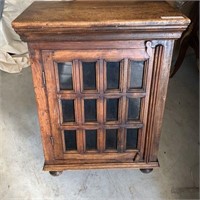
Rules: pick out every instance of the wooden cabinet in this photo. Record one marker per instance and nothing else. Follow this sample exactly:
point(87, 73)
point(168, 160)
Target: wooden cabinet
point(100, 72)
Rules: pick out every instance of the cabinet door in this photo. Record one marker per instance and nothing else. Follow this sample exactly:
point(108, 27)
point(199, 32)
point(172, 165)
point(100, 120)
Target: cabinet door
point(98, 103)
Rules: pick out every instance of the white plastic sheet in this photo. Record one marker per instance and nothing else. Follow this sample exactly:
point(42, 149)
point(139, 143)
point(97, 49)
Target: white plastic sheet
point(13, 52)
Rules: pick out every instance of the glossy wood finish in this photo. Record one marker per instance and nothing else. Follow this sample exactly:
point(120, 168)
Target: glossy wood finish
point(110, 40)
point(42, 104)
point(99, 20)
point(60, 167)
point(98, 14)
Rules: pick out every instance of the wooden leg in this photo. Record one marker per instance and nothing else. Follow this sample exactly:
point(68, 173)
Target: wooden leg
point(55, 173)
point(146, 171)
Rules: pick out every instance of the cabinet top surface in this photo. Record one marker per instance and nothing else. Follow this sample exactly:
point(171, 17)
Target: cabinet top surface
point(98, 14)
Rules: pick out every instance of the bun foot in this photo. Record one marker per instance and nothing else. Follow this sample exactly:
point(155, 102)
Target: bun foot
point(55, 173)
point(146, 171)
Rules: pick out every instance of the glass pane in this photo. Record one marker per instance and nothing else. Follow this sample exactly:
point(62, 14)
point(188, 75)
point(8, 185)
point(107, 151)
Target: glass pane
point(91, 139)
point(133, 109)
point(137, 69)
point(112, 109)
point(111, 139)
point(113, 74)
point(131, 138)
point(89, 75)
point(65, 75)
point(68, 110)
point(90, 110)
point(70, 140)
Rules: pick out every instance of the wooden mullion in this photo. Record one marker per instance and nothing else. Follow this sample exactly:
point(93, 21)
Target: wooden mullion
point(100, 108)
point(103, 140)
point(77, 95)
point(113, 91)
point(89, 96)
point(107, 125)
point(89, 92)
point(66, 95)
point(125, 101)
point(120, 134)
point(104, 75)
point(108, 95)
point(79, 77)
point(121, 80)
point(122, 131)
point(80, 136)
point(115, 95)
point(76, 89)
point(120, 140)
point(129, 76)
point(98, 76)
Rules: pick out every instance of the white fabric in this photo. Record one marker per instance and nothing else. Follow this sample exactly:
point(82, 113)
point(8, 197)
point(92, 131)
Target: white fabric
point(13, 52)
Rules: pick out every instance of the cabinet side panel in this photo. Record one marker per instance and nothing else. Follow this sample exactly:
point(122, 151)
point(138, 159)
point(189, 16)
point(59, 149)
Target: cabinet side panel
point(159, 85)
point(42, 105)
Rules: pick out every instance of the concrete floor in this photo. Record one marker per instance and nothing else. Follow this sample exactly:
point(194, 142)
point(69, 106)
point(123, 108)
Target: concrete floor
point(21, 158)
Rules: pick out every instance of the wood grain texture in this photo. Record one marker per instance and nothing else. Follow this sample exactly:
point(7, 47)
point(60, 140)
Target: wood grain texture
point(49, 167)
point(51, 89)
point(100, 32)
point(108, 55)
point(42, 104)
point(97, 20)
point(160, 93)
point(101, 94)
point(128, 44)
point(98, 14)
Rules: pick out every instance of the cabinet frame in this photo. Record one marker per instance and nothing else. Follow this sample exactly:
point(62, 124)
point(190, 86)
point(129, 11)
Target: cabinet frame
point(130, 31)
point(54, 160)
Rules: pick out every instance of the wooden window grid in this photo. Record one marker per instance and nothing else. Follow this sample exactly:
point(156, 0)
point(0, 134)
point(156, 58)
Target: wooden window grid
point(55, 95)
point(101, 94)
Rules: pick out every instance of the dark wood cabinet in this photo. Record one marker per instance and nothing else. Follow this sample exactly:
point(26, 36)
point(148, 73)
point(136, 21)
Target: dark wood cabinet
point(100, 72)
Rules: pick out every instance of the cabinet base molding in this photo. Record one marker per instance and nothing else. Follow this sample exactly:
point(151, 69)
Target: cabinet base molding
point(57, 167)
